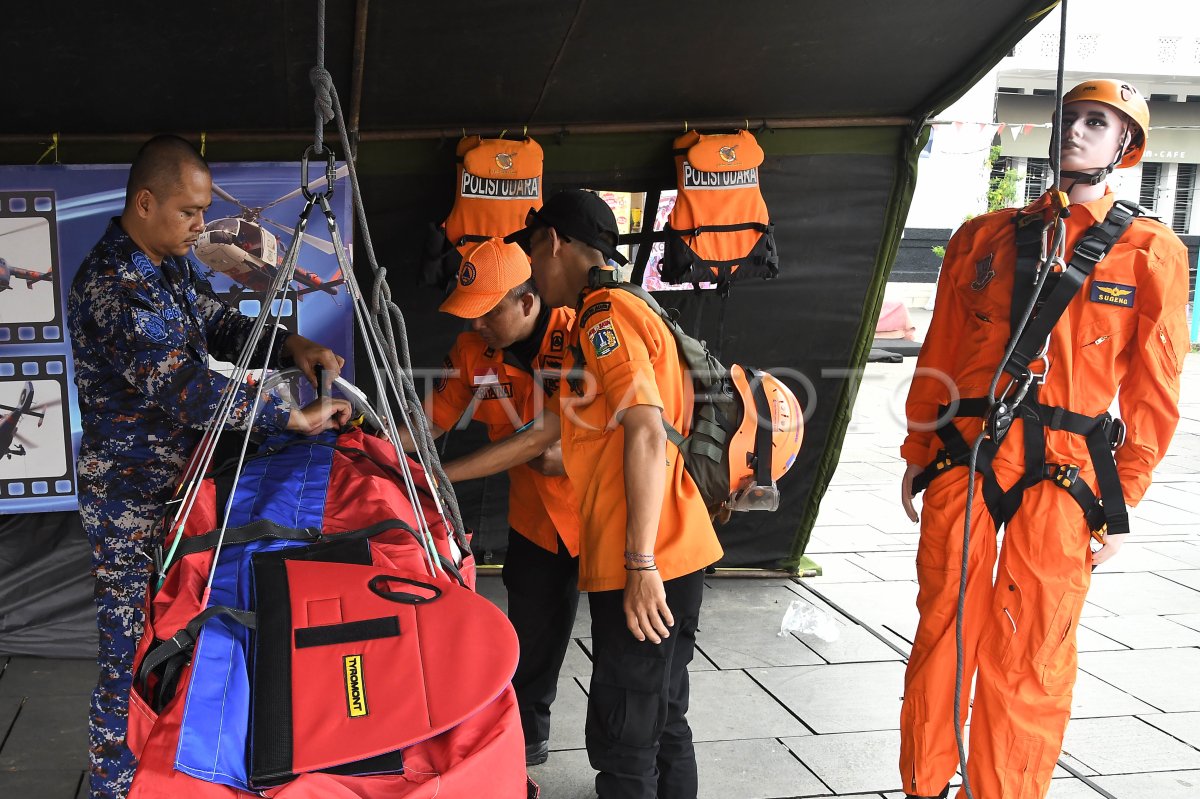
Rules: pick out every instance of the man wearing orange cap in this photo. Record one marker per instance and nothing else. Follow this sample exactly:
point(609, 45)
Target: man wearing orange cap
point(1053, 467)
point(500, 373)
point(646, 535)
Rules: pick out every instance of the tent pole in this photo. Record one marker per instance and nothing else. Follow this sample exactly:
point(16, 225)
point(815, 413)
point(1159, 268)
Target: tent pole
point(453, 132)
point(356, 79)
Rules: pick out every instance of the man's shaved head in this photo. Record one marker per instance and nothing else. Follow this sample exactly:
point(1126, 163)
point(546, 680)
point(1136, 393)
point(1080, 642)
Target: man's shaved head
point(159, 166)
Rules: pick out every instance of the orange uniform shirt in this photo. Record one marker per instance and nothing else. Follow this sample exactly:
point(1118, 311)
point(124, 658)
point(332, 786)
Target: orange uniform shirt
point(491, 387)
point(630, 358)
point(1126, 328)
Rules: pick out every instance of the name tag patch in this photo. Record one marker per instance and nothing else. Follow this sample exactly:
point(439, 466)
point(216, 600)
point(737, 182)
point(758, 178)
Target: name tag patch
point(1113, 294)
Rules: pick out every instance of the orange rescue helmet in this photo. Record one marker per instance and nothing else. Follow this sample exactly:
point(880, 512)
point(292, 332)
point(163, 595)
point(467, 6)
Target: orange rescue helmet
point(772, 427)
point(1126, 99)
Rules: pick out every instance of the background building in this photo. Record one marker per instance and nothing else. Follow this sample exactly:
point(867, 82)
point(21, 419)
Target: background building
point(1157, 49)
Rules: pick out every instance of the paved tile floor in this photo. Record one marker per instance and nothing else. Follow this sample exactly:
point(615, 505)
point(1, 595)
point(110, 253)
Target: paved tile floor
point(796, 716)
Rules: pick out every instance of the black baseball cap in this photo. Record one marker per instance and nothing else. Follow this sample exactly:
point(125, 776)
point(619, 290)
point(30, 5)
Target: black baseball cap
point(576, 214)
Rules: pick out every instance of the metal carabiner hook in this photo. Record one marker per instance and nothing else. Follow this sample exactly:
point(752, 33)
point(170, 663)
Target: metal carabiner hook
point(330, 173)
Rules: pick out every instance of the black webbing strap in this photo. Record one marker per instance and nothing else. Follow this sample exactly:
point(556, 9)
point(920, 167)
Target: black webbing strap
point(184, 640)
point(254, 531)
point(1089, 251)
point(1029, 235)
point(647, 236)
point(1102, 434)
point(762, 431)
point(761, 227)
point(468, 238)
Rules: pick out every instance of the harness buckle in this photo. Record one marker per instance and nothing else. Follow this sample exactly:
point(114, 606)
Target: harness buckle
point(1065, 475)
point(1091, 248)
point(999, 418)
point(1115, 430)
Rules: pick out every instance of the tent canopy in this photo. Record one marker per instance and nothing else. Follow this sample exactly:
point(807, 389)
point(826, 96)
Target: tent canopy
point(837, 92)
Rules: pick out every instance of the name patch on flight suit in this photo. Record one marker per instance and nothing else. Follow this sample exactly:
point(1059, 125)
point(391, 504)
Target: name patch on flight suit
point(1113, 294)
point(488, 386)
point(604, 338)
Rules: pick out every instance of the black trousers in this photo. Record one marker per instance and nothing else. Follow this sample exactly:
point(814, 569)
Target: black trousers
point(543, 595)
point(637, 733)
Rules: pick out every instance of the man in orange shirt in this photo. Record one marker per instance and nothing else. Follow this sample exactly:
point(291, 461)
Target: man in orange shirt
point(500, 373)
point(646, 535)
point(1123, 329)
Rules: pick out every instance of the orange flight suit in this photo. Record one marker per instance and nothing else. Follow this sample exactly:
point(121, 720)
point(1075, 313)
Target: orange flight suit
point(1019, 632)
point(489, 387)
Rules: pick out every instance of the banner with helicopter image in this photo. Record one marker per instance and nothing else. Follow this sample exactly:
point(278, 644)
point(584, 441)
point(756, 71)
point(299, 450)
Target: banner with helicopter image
point(52, 216)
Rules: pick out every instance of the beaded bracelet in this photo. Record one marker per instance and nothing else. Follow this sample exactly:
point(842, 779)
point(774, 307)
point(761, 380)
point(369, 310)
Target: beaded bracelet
point(638, 557)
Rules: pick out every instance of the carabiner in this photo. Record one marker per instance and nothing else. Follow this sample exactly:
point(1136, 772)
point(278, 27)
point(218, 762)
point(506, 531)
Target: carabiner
point(330, 174)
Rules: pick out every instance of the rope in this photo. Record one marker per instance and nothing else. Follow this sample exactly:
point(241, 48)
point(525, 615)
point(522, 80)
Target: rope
point(322, 106)
point(388, 328)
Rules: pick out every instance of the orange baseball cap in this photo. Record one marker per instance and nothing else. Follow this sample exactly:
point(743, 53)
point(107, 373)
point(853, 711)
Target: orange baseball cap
point(487, 274)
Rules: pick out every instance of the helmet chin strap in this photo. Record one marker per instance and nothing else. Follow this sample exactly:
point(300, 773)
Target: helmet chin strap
point(1092, 177)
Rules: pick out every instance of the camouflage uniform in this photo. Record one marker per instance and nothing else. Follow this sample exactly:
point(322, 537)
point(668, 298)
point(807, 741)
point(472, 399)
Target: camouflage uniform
point(141, 336)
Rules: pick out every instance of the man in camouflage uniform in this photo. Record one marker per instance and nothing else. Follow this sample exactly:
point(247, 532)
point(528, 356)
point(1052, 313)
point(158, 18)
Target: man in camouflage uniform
point(142, 326)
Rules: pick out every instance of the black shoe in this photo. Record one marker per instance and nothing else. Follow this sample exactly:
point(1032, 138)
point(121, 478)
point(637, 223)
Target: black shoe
point(945, 792)
point(537, 753)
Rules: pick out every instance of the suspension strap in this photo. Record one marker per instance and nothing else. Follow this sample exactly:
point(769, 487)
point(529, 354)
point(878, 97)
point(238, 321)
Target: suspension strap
point(1089, 251)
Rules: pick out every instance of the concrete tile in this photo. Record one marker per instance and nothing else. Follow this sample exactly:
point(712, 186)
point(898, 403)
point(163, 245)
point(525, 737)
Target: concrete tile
point(41, 783)
point(42, 677)
point(1125, 745)
point(839, 569)
point(850, 697)
point(856, 762)
point(740, 628)
point(890, 566)
point(50, 732)
point(1188, 577)
point(1184, 726)
point(566, 775)
point(583, 619)
point(567, 715)
point(1070, 788)
point(1190, 620)
point(1142, 593)
point(1166, 785)
point(577, 662)
point(1144, 632)
point(879, 605)
point(1156, 513)
point(1093, 698)
point(1186, 551)
point(753, 769)
point(853, 645)
point(1088, 640)
point(848, 538)
point(1155, 676)
point(728, 705)
point(1140, 558)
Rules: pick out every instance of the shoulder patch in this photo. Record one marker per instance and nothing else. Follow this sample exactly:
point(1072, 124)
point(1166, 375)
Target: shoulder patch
point(604, 338)
point(557, 341)
point(143, 266)
point(1113, 293)
point(150, 325)
point(590, 311)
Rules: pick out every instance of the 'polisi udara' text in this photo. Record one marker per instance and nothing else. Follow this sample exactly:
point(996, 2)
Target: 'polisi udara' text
point(500, 188)
point(696, 179)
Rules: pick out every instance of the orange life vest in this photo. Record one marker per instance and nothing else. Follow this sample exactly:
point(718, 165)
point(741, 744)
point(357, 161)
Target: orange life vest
point(719, 230)
point(499, 180)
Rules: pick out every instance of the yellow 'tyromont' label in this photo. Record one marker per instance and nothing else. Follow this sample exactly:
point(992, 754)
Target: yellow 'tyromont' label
point(356, 690)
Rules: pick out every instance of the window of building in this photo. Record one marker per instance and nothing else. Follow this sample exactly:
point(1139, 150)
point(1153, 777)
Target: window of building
point(1008, 90)
point(1193, 98)
point(1185, 185)
point(1044, 92)
point(1036, 172)
point(1148, 192)
point(1163, 97)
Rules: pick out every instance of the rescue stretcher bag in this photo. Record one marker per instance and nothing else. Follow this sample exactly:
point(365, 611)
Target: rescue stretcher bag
point(499, 180)
point(196, 722)
point(719, 230)
point(354, 662)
